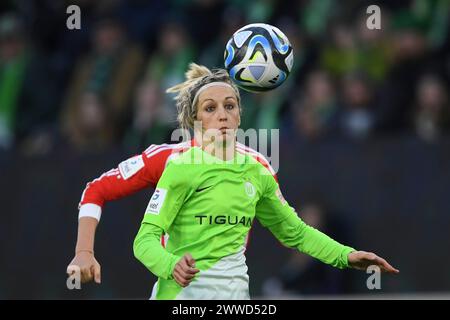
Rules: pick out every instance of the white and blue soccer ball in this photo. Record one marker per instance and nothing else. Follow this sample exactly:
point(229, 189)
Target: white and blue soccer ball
point(258, 57)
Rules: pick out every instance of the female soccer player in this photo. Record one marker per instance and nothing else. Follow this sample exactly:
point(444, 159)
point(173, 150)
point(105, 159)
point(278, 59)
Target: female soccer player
point(134, 174)
point(208, 197)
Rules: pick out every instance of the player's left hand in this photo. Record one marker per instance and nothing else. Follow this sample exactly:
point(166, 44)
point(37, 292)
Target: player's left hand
point(361, 260)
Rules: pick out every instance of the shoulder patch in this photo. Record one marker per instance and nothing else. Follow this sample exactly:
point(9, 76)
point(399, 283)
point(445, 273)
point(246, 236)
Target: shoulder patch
point(156, 202)
point(129, 167)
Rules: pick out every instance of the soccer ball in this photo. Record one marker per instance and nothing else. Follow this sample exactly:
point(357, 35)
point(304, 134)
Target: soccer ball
point(258, 57)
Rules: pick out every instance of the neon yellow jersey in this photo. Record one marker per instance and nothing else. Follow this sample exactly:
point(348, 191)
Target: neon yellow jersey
point(207, 206)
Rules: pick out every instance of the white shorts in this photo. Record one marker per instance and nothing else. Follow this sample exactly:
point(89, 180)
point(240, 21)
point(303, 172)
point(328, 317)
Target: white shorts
point(225, 280)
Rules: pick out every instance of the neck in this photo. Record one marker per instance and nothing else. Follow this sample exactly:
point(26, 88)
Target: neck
point(223, 150)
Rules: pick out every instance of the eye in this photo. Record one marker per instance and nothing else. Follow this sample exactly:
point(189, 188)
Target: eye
point(209, 108)
point(229, 106)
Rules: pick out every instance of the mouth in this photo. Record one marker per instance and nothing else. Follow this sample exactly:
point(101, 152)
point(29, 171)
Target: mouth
point(224, 129)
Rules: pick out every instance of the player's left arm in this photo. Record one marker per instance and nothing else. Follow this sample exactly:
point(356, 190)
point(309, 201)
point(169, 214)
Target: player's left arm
point(274, 213)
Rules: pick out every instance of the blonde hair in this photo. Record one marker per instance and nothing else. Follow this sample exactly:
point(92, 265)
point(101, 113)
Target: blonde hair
point(196, 77)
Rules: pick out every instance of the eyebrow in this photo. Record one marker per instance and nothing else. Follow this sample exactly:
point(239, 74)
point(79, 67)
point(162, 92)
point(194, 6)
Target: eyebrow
point(226, 98)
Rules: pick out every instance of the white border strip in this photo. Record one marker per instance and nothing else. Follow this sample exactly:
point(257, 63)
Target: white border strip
point(90, 210)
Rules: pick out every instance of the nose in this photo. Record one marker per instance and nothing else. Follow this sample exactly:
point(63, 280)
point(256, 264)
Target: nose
point(222, 114)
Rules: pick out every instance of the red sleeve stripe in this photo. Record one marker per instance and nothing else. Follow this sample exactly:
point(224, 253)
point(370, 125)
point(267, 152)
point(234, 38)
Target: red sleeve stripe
point(152, 147)
point(158, 150)
point(111, 172)
point(82, 195)
point(155, 147)
point(152, 151)
point(252, 151)
point(258, 156)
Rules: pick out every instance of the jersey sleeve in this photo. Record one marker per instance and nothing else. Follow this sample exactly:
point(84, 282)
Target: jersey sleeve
point(163, 207)
point(170, 193)
point(149, 251)
point(274, 213)
point(130, 176)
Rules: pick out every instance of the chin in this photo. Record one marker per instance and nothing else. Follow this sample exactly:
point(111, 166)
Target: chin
point(225, 138)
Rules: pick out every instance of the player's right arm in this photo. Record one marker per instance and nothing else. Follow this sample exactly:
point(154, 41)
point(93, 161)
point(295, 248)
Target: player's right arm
point(172, 190)
point(130, 176)
point(84, 259)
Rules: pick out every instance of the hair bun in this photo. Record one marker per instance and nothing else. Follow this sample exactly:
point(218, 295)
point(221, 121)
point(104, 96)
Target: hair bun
point(194, 74)
point(196, 71)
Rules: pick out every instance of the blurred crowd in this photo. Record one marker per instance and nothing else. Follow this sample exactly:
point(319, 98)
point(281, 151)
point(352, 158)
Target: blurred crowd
point(104, 85)
point(102, 88)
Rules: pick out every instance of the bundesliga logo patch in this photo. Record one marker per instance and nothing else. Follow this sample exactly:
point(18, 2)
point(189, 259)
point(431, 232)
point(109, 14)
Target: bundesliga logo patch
point(129, 167)
point(156, 202)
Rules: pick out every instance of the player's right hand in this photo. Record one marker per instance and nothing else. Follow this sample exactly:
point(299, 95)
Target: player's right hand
point(184, 270)
point(88, 266)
